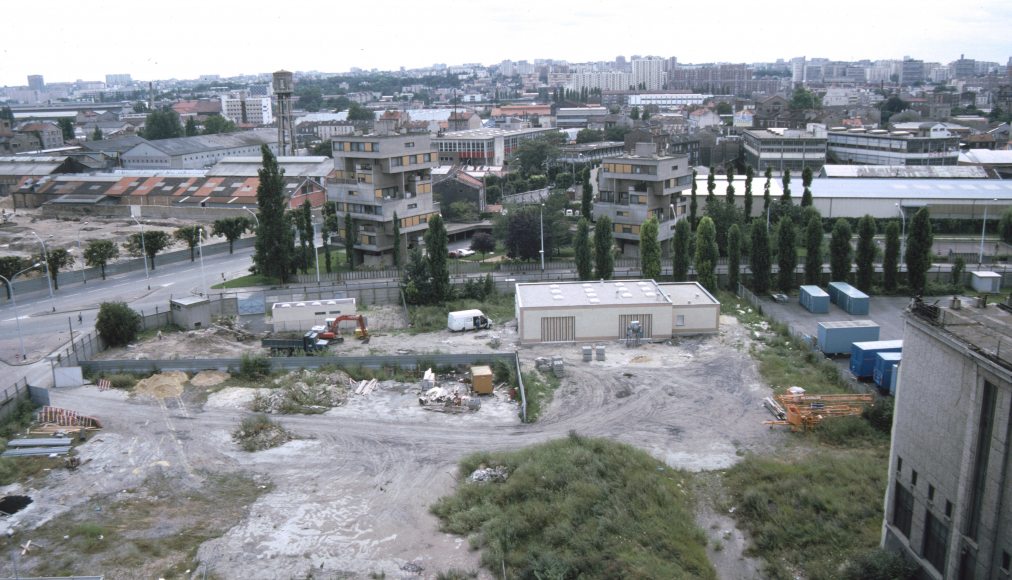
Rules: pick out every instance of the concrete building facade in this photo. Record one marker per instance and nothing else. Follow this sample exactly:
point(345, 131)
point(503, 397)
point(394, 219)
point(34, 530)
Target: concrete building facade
point(246, 110)
point(780, 149)
point(376, 176)
point(483, 146)
point(948, 503)
point(930, 144)
point(635, 187)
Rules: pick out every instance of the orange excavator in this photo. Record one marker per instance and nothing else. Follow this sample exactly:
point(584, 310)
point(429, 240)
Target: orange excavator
point(332, 332)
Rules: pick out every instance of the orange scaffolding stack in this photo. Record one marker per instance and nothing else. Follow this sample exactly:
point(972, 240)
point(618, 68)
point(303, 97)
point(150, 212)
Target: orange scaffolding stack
point(804, 412)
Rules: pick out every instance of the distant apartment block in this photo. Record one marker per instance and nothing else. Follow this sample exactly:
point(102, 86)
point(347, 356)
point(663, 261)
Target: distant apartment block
point(648, 73)
point(637, 186)
point(948, 505)
point(376, 176)
point(577, 117)
point(780, 149)
point(483, 146)
point(246, 110)
point(118, 80)
point(36, 83)
point(930, 144)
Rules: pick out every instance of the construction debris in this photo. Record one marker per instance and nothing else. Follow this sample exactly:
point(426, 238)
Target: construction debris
point(37, 451)
point(448, 400)
point(66, 418)
point(483, 474)
point(803, 412)
point(365, 387)
point(428, 379)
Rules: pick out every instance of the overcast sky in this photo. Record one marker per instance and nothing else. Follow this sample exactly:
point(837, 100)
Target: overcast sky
point(186, 38)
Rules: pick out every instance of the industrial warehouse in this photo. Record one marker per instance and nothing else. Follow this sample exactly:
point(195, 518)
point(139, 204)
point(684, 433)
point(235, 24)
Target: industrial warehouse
point(606, 310)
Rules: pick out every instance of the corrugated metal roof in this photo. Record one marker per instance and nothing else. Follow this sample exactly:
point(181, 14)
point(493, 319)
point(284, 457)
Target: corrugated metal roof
point(317, 166)
point(912, 171)
point(602, 293)
point(190, 145)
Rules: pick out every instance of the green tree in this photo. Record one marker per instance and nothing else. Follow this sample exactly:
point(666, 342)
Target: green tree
point(711, 185)
point(813, 247)
point(349, 240)
point(67, 128)
point(436, 241)
point(357, 112)
point(786, 181)
point(729, 171)
point(733, 257)
point(216, 124)
point(325, 148)
point(767, 200)
point(163, 124)
point(840, 251)
point(7, 114)
point(191, 129)
point(154, 241)
point(417, 282)
point(865, 255)
point(806, 181)
point(634, 114)
point(97, 135)
point(231, 229)
point(650, 250)
point(680, 251)
point(483, 243)
point(10, 265)
point(891, 257)
point(587, 201)
point(191, 235)
point(589, 136)
point(787, 254)
point(99, 253)
point(523, 235)
point(759, 257)
point(117, 323)
point(724, 108)
point(749, 175)
point(604, 261)
point(1005, 226)
point(918, 258)
point(397, 242)
point(889, 107)
point(532, 156)
point(707, 254)
point(803, 99)
point(274, 252)
point(581, 249)
point(958, 270)
point(307, 234)
point(693, 204)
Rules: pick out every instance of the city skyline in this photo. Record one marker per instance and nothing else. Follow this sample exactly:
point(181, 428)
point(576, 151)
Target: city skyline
point(119, 40)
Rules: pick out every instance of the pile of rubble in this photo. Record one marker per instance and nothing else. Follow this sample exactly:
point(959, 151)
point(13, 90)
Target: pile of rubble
point(300, 397)
point(497, 474)
point(555, 365)
point(453, 400)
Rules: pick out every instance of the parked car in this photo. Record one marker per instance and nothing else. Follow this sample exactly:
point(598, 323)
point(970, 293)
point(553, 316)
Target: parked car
point(462, 253)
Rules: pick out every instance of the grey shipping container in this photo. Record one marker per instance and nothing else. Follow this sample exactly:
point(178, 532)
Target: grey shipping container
point(862, 355)
point(852, 300)
point(835, 337)
point(884, 363)
point(834, 291)
point(814, 299)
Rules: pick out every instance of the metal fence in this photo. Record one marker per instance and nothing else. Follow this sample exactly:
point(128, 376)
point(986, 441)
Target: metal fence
point(11, 396)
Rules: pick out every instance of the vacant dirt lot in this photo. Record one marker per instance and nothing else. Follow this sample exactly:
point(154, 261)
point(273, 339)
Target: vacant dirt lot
point(350, 496)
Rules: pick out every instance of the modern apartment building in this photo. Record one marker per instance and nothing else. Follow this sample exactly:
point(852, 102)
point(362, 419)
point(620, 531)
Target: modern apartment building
point(948, 504)
point(483, 146)
point(648, 73)
point(781, 149)
point(930, 144)
point(634, 187)
point(246, 110)
point(376, 176)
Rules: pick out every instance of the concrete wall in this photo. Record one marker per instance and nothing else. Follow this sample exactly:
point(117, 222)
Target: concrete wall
point(698, 318)
point(595, 323)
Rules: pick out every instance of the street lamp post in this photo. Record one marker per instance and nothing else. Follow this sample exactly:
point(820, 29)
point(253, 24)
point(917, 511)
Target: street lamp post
point(200, 250)
point(144, 252)
point(983, 229)
point(84, 267)
point(541, 218)
point(14, 300)
point(253, 213)
point(316, 255)
point(45, 262)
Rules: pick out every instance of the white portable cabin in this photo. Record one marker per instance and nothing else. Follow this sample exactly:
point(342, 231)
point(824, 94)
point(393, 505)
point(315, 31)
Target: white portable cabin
point(304, 315)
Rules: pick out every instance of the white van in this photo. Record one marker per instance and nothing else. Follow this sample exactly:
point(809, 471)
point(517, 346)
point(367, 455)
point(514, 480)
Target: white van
point(467, 320)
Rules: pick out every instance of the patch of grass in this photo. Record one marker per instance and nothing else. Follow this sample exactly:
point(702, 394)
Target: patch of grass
point(151, 333)
point(814, 513)
point(579, 508)
point(258, 432)
point(456, 574)
point(254, 367)
point(247, 281)
point(539, 388)
point(90, 537)
point(499, 308)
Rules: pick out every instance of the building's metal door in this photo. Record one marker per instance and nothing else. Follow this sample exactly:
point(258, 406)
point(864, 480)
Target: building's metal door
point(558, 329)
point(646, 322)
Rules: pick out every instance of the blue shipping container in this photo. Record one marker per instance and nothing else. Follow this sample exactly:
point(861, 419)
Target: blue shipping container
point(835, 337)
point(814, 299)
point(852, 300)
point(884, 362)
point(862, 355)
point(834, 291)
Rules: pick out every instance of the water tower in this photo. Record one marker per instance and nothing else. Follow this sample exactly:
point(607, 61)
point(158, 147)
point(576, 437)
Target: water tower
point(286, 129)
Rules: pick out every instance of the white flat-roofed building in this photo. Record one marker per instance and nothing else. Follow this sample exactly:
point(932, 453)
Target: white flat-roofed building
point(304, 315)
point(483, 146)
point(604, 310)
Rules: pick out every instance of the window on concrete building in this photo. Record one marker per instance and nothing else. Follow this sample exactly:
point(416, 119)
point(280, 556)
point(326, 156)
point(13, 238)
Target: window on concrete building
point(903, 509)
point(931, 492)
point(680, 320)
point(913, 478)
point(899, 465)
point(948, 509)
point(1005, 561)
point(936, 536)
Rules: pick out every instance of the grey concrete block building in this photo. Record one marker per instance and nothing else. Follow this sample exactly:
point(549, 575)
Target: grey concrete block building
point(949, 501)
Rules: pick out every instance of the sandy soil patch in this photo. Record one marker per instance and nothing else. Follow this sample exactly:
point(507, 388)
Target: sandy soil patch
point(209, 378)
point(162, 385)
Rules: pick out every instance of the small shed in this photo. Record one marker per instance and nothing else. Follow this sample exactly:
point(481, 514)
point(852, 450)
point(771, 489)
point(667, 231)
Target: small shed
point(190, 312)
point(481, 379)
point(986, 281)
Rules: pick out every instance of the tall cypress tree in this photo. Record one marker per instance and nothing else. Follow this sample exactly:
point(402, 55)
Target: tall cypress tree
point(787, 254)
point(813, 247)
point(786, 181)
point(729, 171)
point(693, 204)
point(711, 185)
point(436, 241)
point(767, 200)
point(749, 175)
point(581, 249)
point(397, 241)
point(587, 201)
point(865, 256)
point(707, 254)
point(759, 257)
point(604, 262)
point(650, 250)
point(274, 253)
point(349, 240)
point(891, 257)
point(733, 257)
point(918, 256)
point(806, 181)
point(680, 251)
point(841, 254)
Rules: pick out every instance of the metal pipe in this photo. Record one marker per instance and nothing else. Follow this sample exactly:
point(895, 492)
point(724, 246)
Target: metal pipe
point(541, 217)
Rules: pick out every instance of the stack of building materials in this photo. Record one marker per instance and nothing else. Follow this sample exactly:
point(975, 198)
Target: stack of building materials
point(41, 446)
point(558, 367)
point(804, 412)
point(862, 355)
point(57, 420)
point(481, 379)
point(814, 299)
point(365, 387)
point(885, 367)
point(836, 337)
point(588, 353)
point(428, 379)
point(600, 351)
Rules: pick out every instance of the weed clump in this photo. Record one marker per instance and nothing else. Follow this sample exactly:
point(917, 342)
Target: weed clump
point(258, 432)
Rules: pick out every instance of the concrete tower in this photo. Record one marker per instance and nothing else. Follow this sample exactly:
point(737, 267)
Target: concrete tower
point(286, 128)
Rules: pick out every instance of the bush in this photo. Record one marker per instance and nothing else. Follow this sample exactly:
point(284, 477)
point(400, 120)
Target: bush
point(117, 323)
point(254, 367)
point(258, 432)
point(880, 416)
point(879, 564)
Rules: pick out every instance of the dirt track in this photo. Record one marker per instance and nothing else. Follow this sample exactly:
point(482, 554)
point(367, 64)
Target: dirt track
point(352, 496)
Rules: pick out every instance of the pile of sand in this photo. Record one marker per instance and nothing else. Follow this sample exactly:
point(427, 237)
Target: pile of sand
point(162, 385)
point(209, 378)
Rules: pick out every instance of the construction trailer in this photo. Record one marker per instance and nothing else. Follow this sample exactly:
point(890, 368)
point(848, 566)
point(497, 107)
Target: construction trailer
point(604, 310)
point(814, 299)
point(304, 315)
point(850, 299)
point(837, 336)
point(862, 355)
point(885, 366)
